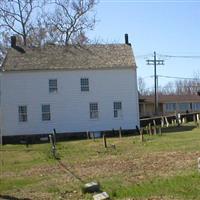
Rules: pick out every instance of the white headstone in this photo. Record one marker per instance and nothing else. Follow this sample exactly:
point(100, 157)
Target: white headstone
point(101, 196)
point(198, 162)
point(167, 123)
point(162, 122)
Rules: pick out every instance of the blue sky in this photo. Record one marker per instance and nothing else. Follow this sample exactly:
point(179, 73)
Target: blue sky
point(167, 27)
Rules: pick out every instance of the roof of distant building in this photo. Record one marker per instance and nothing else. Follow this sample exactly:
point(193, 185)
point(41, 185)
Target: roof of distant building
point(171, 98)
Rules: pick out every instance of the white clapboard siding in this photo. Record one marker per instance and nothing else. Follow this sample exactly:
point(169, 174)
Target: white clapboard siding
point(69, 106)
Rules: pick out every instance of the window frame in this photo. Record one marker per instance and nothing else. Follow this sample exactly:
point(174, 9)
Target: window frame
point(46, 113)
point(94, 113)
point(53, 88)
point(183, 106)
point(21, 115)
point(85, 84)
point(170, 107)
point(117, 110)
point(196, 106)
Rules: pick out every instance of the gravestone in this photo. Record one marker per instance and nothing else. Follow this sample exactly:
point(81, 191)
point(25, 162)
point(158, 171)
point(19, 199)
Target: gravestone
point(162, 122)
point(154, 128)
point(104, 141)
point(194, 118)
point(197, 117)
point(91, 187)
point(150, 132)
point(160, 130)
point(197, 120)
point(198, 163)
point(101, 196)
point(120, 132)
point(44, 139)
point(166, 120)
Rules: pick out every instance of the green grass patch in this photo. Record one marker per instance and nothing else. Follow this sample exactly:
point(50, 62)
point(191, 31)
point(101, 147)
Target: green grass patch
point(115, 169)
point(183, 186)
point(17, 183)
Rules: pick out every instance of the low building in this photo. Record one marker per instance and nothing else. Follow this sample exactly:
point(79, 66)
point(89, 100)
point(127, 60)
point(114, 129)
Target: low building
point(70, 88)
point(169, 104)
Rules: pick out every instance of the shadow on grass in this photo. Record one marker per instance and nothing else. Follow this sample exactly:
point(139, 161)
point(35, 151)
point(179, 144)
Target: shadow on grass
point(7, 197)
point(178, 129)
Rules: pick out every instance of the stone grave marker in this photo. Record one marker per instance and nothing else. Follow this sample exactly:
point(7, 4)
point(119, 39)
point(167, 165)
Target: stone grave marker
point(101, 196)
point(167, 123)
point(91, 187)
point(198, 163)
point(154, 127)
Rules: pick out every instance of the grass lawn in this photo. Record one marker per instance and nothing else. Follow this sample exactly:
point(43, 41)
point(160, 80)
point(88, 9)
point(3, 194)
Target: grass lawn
point(162, 167)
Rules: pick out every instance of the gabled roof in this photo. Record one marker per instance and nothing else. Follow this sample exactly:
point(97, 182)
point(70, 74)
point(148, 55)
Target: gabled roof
point(55, 57)
point(171, 98)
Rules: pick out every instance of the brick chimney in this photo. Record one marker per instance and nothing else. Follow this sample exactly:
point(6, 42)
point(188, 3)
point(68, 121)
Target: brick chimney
point(13, 41)
point(126, 40)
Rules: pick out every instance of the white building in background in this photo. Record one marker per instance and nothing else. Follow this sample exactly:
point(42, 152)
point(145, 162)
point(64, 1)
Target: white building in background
point(72, 89)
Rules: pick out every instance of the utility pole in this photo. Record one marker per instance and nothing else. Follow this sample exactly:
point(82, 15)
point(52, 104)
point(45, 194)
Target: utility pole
point(155, 62)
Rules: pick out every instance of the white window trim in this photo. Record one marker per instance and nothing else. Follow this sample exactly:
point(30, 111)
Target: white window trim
point(23, 114)
point(46, 113)
point(83, 91)
point(55, 88)
point(98, 113)
point(120, 111)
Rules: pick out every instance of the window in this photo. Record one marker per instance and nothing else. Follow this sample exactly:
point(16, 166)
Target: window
point(196, 106)
point(84, 84)
point(22, 110)
point(94, 113)
point(170, 107)
point(117, 107)
point(53, 85)
point(46, 114)
point(184, 106)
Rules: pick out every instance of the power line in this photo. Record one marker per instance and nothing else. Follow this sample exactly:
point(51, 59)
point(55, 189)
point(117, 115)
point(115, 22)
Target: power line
point(172, 77)
point(149, 1)
point(179, 56)
point(169, 56)
point(177, 77)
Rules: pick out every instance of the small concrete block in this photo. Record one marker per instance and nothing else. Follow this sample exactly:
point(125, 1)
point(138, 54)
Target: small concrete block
point(91, 187)
point(198, 162)
point(44, 139)
point(101, 196)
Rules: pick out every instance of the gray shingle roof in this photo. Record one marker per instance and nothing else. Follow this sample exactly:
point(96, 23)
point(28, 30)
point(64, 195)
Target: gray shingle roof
point(54, 57)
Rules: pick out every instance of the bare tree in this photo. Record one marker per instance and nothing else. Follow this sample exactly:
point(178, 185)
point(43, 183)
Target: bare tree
point(142, 87)
point(39, 34)
point(16, 16)
point(167, 89)
point(4, 44)
point(183, 86)
point(187, 87)
point(71, 18)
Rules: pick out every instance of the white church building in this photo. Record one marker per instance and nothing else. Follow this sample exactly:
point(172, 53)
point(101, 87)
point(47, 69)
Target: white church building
point(70, 88)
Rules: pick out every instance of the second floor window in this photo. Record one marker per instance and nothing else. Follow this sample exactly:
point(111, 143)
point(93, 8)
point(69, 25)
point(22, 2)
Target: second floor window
point(53, 85)
point(46, 113)
point(22, 110)
point(84, 84)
